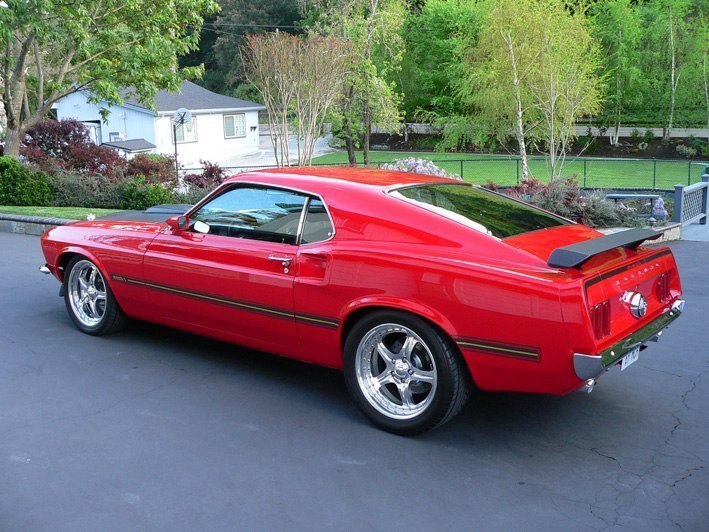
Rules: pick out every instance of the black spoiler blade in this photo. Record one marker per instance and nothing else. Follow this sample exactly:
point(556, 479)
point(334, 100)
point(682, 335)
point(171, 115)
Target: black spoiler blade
point(572, 256)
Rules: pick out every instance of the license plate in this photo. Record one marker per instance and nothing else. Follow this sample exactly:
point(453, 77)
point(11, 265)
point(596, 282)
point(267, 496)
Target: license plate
point(629, 358)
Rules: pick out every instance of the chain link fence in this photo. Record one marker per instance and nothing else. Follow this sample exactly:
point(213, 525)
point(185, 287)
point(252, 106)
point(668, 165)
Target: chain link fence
point(591, 172)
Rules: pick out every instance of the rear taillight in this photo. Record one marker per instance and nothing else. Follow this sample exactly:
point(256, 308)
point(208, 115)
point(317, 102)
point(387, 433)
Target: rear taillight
point(663, 287)
point(601, 319)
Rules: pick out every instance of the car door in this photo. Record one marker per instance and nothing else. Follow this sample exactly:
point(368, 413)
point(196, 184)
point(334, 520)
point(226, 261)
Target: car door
point(232, 271)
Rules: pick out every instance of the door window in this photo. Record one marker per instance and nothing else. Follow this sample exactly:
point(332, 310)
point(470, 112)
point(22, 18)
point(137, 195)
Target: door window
point(254, 212)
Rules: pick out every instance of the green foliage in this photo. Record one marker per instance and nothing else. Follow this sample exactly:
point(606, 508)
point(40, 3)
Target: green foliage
point(430, 65)
point(138, 194)
point(54, 48)
point(71, 189)
point(21, 185)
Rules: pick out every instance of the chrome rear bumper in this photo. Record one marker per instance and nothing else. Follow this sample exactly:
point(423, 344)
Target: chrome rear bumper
point(589, 367)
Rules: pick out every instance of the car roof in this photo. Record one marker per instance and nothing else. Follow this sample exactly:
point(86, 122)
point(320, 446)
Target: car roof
point(343, 176)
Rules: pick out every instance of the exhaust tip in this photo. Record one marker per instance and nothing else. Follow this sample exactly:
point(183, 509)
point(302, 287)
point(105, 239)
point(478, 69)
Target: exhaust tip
point(588, 386)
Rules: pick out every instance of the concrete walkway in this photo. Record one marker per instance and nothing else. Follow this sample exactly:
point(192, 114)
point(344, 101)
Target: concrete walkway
point(696, 232)
point(264, 158)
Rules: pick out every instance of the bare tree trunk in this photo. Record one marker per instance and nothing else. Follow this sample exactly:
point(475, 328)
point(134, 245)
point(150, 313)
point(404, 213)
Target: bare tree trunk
point(706, 91)
point(674, 81)
point(519, 129)
point(12, 141)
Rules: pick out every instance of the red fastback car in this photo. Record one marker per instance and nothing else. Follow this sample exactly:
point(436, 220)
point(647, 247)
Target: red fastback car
point(417, 287)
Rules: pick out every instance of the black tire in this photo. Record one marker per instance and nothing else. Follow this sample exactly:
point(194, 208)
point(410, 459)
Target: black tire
point(101, 315)
point(426, 404)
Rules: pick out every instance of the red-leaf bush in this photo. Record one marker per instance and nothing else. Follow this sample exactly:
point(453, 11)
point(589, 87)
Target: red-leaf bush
point(154, 167)
point(65, 145)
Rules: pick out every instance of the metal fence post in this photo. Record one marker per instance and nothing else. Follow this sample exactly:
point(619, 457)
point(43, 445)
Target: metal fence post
point(689, 173)
point(461, 169)
point(654, 173)
point(518, 171)
point(584, 172)
point(679, 196)
point(705, 196)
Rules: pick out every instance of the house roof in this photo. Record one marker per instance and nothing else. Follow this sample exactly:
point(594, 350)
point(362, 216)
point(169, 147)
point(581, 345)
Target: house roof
point(196, 98)
point(130, 145)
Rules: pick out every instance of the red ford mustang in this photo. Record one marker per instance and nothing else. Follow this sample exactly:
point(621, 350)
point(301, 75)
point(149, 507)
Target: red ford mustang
point(416, 286)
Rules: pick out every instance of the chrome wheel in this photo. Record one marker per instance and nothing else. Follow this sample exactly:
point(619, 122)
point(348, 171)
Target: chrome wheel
point(396, 371)
point(87, 293)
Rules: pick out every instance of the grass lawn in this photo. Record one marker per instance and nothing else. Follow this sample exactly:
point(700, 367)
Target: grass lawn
point(591, 172)
point(71, 213)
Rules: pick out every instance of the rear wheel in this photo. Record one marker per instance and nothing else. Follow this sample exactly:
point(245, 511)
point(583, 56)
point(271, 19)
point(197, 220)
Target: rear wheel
point(89, 299)
point(404, 374)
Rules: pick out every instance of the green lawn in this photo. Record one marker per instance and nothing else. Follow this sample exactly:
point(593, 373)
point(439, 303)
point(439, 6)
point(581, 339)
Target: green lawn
point(591, 172)
point(71, 213)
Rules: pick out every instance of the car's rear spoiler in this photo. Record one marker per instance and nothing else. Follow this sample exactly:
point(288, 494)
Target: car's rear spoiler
point(573, 255)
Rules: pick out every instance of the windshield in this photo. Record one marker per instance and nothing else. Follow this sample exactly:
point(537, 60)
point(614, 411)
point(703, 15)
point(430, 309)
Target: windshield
point(480, 209)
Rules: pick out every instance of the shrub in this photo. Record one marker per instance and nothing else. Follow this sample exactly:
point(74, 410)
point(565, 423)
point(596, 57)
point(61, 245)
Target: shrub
point(687, 151)
point(648, 136)
point(137, 193)
point(418, 166)
point(21, 185)
point(211, 176)
point(71, 189)
point(54, 138)
point(155, 167)
point(63, 145)
point(92, 159)
point(563, 197)
point(696, 143)
point(635, 135)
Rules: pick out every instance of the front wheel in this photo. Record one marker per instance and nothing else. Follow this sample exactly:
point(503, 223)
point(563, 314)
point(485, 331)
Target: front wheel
point(89, 299)
point(403, 373)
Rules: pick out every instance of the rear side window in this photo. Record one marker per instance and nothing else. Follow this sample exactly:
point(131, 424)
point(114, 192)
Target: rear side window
point(480, 209)
point(317, 226)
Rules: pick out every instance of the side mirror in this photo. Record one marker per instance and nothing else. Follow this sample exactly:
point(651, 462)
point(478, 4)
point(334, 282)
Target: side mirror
point(179, 223)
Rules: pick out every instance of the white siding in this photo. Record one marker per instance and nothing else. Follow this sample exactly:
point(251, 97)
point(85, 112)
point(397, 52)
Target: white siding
point(127, 121)
point(211, 144)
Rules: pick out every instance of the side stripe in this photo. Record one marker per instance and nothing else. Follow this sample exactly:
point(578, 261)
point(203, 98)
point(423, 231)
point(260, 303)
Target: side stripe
point(234, 303)
point(524, 352)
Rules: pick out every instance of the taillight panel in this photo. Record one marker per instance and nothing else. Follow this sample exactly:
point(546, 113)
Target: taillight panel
point(662, 286)
point(601, 319)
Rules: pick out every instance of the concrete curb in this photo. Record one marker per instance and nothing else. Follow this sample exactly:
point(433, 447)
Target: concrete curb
point(29, 225)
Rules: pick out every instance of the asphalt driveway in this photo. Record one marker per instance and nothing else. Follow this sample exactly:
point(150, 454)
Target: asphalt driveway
point(152, 429)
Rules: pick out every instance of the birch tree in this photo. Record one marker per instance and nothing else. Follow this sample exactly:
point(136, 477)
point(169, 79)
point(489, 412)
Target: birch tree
point(565, 85)
point(54, 48)
point(500, 67)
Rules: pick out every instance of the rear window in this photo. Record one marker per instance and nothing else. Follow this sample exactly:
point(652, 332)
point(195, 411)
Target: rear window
point(480, 209)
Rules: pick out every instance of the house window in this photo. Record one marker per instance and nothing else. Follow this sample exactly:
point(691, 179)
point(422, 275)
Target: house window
point(186, 132)
point(234, 126)
point(114, 136)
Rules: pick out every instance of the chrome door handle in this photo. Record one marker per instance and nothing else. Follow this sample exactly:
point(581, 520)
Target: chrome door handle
point(285, 261)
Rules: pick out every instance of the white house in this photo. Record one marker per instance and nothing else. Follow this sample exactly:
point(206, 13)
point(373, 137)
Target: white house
point(222, 127)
